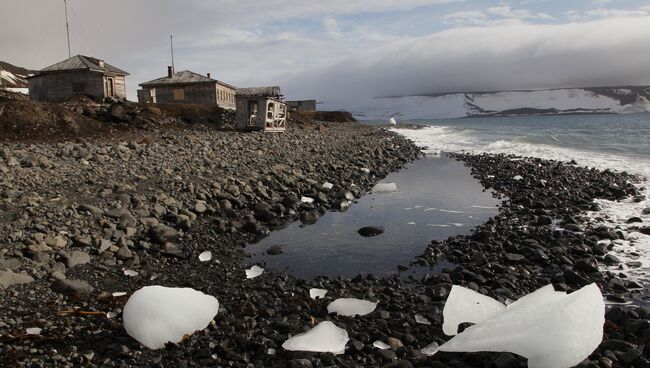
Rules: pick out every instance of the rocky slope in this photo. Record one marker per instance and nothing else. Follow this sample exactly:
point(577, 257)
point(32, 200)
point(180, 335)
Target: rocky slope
point(13, 78)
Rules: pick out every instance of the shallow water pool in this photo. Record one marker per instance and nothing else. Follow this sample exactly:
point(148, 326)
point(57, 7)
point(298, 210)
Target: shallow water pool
point(436, 197)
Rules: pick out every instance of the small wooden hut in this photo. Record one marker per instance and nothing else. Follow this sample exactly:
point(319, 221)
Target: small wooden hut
point(78, 75)
point(261, 108)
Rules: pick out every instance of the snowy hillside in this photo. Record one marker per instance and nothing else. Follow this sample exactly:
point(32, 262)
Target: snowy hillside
point(13, 78)
point(510, 103)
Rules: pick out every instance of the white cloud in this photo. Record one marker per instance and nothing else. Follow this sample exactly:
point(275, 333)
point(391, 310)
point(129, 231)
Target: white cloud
point(489, 58)
point(507, 12)
point(475, 17)
point(601, 13)
point(331, 27)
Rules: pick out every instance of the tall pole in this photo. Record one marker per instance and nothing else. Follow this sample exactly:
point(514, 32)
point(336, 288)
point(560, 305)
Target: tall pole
point(171, 42)
point(67, 27)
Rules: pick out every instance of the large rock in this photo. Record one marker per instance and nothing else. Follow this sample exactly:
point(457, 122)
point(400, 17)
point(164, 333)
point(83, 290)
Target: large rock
point(75, 257)
point(162, 234)
point(8, 278)
point(72, 287)
point(370, 231)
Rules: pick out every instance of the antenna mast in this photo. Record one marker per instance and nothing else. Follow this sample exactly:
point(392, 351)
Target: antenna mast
point(67, 27)
point(171, 41)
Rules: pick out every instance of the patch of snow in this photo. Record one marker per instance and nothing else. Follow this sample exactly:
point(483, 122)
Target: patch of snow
point(384, 187)
point(155, 315)
point(205, 256)
point(326, 337)
point(351, 307)
point(549, 328)
point(24, 91)
point(254, 271)
point(380, 345)
point(392, 121)
point(317, 293)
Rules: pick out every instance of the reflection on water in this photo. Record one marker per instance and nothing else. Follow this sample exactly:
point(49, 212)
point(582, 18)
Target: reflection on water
point(436, 198)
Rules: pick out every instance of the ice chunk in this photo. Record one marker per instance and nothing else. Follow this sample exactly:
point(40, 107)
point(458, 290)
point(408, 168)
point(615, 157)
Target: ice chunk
point(365, 170)
point(351, 307)
point(33, 330)
point(465, 305)
point(304, 199)
point(254, 271)
point(518, 177)
point(326, 337)
point(380, 345)
point(384, 187)
point(430, 349)
point(422, 319)
point(549, 328)
point(155, 315)
point(205, 256)
point(328, 185)
point(130, 273)
point(317, 293)
point(392, 121)
point(118, 294)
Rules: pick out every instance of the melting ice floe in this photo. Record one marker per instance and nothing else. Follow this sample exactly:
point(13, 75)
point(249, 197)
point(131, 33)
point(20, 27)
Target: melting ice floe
point(328, 185)
point(422, 320)
point(351, 307)
point(254, 271)
point(465, 305)
point(317, 293)
point(155, 315)
point(205, 256)
point(326, 337)
point(380, 345)
point(304, 199)
point(384, 187)
point(549, 328)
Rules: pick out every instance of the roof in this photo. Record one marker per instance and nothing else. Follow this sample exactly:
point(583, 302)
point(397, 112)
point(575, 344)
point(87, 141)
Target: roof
point(271, 91)
point(183, 77)
point(81, 62)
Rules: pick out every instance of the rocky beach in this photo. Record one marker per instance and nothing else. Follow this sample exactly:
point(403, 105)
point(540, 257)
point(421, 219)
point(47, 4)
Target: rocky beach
point(88, 221)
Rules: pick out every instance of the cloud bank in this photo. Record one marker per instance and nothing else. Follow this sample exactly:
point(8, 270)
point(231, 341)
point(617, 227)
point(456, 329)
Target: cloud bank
point(607, 52)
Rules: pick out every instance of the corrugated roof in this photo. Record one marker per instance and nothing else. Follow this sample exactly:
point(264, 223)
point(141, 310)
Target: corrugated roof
point(81, 62)
point(183, 77)
point(271, 91)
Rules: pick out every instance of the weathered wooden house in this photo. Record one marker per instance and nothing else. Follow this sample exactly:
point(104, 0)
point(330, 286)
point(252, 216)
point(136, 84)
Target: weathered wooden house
point(261, 108)
point(188, 87)
point(302, 105)
point(78, 75)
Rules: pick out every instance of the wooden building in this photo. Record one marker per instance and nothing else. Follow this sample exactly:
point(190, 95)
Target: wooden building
point(78, 75)
point(188, 87)
point(302, 105)
point(261, 108)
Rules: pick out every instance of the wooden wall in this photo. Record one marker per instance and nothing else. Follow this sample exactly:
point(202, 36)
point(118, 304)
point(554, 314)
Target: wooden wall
point(200, 93)
point(62, 86)
point(225, 97)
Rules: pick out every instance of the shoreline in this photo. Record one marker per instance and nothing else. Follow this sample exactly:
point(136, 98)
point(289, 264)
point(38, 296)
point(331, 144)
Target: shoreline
point(213, 207)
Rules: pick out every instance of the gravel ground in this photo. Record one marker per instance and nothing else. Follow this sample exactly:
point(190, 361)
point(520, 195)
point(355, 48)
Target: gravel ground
point(76, 215)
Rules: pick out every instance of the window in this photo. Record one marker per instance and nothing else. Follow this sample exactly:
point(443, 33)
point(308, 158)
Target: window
point(179, 94)
point(269, 110)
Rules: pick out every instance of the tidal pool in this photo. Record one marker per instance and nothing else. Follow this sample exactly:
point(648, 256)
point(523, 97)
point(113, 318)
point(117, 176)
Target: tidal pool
point(436, 198)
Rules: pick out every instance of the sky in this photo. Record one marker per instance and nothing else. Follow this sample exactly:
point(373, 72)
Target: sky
point(345, 49)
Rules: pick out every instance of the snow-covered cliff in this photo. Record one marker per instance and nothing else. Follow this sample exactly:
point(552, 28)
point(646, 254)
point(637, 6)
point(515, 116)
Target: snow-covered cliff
point(508, 103)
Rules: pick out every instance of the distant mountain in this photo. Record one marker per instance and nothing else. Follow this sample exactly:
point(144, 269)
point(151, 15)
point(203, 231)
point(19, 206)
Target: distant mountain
point(13, 78)
point(601, 100)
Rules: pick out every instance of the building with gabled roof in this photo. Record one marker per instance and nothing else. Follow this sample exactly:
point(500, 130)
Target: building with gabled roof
point(187, 87)
point(78, 75)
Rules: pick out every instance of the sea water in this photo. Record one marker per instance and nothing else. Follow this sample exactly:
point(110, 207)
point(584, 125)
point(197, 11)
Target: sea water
point(615, 142)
